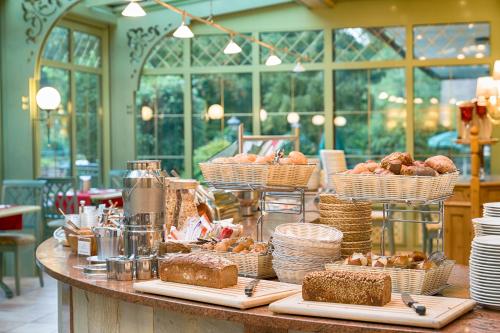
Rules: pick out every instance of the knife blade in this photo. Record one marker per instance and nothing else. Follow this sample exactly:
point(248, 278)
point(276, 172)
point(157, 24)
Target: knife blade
point(250, 287)
point(410, 302)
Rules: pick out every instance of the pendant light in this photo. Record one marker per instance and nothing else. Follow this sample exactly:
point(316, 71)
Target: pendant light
point(298, 68)
point(133, 9)
point(232, 47)
point(273, 60)
point(183, 30)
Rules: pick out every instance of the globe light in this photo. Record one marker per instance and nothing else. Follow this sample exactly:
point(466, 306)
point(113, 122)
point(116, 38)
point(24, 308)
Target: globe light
point(318, 120)
point(273, 60)
point(215, 111)
point(434, 100)
point(48, 98)
point(146, 113)
point(339, 121)
point(263, 115)
point(383, 95)
point(133, 9)
point(293, 118)
point(298, 68)
point(418, 100)
point(232, 48)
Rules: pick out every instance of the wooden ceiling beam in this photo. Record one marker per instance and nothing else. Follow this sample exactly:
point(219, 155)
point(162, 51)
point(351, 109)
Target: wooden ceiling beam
point(316, 4)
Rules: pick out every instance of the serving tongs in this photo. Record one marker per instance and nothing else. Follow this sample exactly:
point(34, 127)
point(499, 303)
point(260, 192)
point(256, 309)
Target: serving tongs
point(279, 154)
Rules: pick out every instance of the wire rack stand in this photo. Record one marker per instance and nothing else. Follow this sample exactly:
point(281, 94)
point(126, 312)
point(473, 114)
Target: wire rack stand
point(272, 199)
point(427, 211)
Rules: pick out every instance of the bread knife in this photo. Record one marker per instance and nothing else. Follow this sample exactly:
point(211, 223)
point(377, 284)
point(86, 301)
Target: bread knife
point(250, 287)
point(410, 302)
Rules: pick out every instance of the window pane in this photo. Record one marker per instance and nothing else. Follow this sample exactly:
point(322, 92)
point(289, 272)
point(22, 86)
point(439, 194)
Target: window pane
point(309, 44)
point(452, 41)
point(437, 91)
point(166, 54)
point(369, 44)
point(207, 50)
point(370, 112)
point(55, 159)
point(277, 89)
point(160, 133)
point(88, 129)
point(56, 47)
point(86, 49)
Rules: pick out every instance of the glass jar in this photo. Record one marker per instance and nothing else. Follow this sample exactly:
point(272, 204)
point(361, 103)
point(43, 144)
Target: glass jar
point(185, 205)
point(170, 203)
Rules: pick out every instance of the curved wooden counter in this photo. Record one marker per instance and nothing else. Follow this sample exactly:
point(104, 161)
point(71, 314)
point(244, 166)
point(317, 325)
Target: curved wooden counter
point(98, 305)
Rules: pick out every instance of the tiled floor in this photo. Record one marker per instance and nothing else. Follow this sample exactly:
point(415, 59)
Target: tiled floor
point(34, 311)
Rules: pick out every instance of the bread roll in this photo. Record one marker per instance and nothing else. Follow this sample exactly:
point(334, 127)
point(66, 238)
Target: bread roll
point(403, 158)
point(347, 287)
point(199, 269)
point(441, 164)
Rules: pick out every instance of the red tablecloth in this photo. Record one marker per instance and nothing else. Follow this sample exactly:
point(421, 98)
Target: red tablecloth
point(14, 222)
point(87, 197)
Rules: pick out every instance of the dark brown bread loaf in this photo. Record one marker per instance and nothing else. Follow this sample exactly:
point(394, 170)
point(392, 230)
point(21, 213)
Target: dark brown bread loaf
point(347, 287)
point(199, 269)
point(172, 247)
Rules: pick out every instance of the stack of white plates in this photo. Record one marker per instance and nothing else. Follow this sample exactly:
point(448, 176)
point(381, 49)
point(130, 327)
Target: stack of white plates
point(484, 226)
point(300, 248)
point(491, 209)
point(485, 271)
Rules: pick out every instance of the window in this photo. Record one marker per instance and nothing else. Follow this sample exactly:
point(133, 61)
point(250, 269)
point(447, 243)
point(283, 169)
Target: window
point(460, 41)
point(160, 120)
point(369, 44)
point(284, 92)
point(71, 136)
point(437, 92)
point(309, 44)
point(166, 54)
point(370, 112)
point(207, 51)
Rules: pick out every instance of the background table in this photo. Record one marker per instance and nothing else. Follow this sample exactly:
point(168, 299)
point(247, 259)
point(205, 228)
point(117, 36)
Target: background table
point(11, 217)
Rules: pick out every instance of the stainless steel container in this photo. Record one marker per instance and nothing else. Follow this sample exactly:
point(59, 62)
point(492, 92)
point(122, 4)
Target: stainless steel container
point(144, 194)
point(124, 269)
point(108, 242)
point(141, 241)
point(111, 267)
point(144, 268)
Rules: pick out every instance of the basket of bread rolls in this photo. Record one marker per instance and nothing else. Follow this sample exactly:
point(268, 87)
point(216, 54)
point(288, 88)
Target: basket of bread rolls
point(253, 259)
point(398, 177)
point(270, 170)
point(413, 273)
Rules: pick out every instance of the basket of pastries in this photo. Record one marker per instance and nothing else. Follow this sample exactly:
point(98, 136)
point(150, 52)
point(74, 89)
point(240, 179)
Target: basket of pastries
point(270, 170)
point(413, 273)
point(254, 259)
point(398, 177)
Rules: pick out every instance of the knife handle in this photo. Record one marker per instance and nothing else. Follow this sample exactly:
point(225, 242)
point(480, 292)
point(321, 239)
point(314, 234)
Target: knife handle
point(420, 309)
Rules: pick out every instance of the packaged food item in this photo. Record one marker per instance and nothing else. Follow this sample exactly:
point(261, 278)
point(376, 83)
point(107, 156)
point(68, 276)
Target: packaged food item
point(185, 204)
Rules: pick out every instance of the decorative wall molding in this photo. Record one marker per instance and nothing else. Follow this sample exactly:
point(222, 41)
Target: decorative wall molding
point(36, 14)
point(138, 40)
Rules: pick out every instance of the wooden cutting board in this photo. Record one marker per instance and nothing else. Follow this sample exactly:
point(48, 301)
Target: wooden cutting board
point(440, 310)
point(265, 293)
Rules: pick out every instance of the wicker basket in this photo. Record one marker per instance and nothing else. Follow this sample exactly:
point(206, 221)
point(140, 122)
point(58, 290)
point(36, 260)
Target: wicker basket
point(289, 175)
point(413, 281)
point(308, 235)
point(253, 265)
point(394, 187)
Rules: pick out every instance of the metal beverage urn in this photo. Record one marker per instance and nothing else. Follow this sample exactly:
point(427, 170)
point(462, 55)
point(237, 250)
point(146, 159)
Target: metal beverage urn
point(144, 208)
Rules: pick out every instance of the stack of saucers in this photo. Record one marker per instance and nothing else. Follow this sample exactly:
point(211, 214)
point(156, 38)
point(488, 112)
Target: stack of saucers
point(353, 219)
point(484, 226)
point(300, 248)
point(491, 209)
point(485, 271)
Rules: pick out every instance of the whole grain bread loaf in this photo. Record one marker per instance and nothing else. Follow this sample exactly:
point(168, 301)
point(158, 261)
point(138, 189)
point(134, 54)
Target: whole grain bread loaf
point(199, 269)
point(347, 287)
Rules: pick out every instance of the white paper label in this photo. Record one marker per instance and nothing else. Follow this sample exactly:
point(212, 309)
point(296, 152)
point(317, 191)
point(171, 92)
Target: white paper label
point(84, 247)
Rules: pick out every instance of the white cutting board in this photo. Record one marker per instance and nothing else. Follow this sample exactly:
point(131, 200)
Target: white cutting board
point(440, 310)
point(265, 292)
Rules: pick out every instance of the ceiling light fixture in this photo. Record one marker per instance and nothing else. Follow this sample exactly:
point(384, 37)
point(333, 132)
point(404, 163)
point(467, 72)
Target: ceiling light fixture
point(183, 30)
point(298, 68)
point(232, 47)
point(133, 9)
point(273, 60)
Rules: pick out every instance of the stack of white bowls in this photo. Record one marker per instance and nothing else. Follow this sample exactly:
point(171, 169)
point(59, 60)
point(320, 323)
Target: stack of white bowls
point(484, 226)
point(333, 161)
point(485, 271)
point(300, 248)
point(491, 209)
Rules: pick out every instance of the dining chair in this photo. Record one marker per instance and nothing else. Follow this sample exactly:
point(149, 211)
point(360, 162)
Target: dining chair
point(58, 194)
point(22, 192)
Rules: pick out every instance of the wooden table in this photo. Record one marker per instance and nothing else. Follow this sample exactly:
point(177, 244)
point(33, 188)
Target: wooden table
point(100, 305)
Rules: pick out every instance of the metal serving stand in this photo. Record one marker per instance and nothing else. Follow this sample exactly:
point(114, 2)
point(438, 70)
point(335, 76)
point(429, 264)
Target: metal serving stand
point(425, 209)
point(292, 200)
